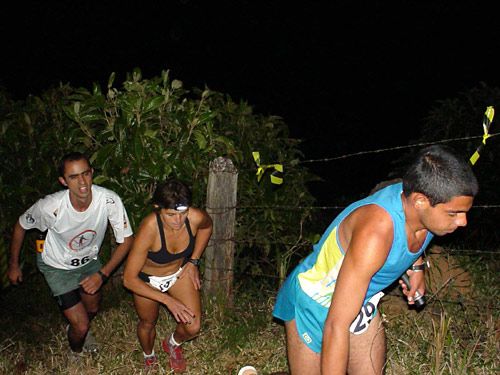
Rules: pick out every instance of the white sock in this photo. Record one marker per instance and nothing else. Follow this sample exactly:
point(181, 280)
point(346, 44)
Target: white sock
point(172, 341)
point(149, 355)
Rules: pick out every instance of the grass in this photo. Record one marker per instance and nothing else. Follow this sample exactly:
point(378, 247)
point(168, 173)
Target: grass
point(457, 333)
point(32, 338)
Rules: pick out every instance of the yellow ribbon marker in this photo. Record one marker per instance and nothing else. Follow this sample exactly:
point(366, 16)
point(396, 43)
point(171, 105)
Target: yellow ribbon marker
point(487, 119)
point(276, 175)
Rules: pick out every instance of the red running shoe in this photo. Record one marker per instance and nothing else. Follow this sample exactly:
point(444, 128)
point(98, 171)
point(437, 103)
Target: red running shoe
point(176, 360)
point(150, 364)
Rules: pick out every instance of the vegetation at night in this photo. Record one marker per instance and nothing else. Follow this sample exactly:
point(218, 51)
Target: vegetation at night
point(148, 129)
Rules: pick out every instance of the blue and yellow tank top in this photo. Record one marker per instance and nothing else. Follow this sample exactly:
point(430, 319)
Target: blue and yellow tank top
point(317, 274)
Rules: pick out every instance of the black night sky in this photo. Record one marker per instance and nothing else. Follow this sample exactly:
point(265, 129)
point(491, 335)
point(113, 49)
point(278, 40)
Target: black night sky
point(345, 76)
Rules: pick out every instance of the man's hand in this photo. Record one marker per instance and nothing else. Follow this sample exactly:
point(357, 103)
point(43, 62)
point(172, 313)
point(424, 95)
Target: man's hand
point(91, 284)
point(15, 274)
point(417, 282)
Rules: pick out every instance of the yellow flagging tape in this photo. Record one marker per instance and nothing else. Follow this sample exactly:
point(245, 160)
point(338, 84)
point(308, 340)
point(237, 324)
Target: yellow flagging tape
point(487, 119)
point(276, 176)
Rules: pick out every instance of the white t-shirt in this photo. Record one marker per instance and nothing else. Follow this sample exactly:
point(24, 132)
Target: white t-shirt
point(73, 237)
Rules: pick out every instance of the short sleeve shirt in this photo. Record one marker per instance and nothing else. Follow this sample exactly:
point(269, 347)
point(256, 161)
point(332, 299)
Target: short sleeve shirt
point(73, 237)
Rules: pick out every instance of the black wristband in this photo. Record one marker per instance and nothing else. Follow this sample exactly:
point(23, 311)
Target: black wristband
point(418, 267)
point(104, 278)
point(196, 262)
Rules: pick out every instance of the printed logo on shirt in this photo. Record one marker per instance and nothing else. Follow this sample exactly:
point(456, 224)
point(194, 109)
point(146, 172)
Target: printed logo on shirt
point(307, 338)
point(30, 219)
point(110, 200)
point(82, 240)
point(125, 224)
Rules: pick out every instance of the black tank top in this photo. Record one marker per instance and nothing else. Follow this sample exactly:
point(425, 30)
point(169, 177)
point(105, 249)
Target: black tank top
point(163, 256)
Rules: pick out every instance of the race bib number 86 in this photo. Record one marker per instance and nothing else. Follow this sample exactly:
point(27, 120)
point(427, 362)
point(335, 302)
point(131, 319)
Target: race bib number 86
point(78, 262)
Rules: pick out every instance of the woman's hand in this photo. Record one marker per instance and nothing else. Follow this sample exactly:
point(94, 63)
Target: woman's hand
point(181, 312)
point(191, 271)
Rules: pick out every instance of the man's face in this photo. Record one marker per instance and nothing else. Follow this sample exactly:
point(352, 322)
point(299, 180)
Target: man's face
point(445, 218)
point(78, 178)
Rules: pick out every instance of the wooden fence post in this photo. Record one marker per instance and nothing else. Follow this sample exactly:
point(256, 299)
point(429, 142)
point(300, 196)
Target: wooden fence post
point(221, 206)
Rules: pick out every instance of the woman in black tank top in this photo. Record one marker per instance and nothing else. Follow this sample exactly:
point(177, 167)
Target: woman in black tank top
point(163, 269)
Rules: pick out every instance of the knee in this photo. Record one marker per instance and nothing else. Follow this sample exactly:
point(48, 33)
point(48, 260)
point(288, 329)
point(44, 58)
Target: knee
point(192, 329)
point(147, 325)
point(80, 328)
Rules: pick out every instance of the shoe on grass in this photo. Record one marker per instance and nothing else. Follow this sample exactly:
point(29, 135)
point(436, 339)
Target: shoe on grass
point(150, 363)
point(90, 345)
point(74, 358)
point(176, 358)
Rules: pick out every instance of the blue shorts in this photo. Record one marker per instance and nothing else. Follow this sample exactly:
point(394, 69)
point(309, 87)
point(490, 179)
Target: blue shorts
point(292, 303)
point(284, 308)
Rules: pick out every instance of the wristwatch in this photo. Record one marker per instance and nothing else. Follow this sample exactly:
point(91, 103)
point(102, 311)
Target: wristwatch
point(196, 262)
point(104, 278)
point(419, 267)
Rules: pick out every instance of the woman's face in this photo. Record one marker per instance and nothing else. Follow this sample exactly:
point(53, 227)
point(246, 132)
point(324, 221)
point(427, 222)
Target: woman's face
point(174, 219)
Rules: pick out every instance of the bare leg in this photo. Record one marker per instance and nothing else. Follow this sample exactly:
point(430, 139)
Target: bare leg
point(367, 351)
point(78, 326)
point(184, 291)
point(79, 317)
point(91, 303)
point(301, 359)
point(147, 310)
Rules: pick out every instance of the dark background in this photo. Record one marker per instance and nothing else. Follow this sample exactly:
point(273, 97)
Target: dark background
point(345, 76)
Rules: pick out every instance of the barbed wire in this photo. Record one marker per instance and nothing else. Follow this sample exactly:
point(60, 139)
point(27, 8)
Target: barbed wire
point(396, 148)
point(255, 241)
point(222, 210)
point(376, 151)
point(473, 251)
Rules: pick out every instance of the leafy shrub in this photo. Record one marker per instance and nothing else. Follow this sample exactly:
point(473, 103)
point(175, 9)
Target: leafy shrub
point(146, 131)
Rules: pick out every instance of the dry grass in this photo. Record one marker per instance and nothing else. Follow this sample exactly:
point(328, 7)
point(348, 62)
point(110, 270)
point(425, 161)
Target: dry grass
point(33, 339)
point(458, 331)
point(448, 337)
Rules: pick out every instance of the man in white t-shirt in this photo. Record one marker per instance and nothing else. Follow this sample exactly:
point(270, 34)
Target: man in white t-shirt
point(75, 220)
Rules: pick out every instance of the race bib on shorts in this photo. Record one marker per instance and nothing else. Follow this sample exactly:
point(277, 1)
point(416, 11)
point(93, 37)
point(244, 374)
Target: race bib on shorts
point(164, 283)
point(365, 316)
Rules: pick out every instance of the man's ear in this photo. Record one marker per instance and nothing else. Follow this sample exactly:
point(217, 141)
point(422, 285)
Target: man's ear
point(63, 181)
point(420, 201)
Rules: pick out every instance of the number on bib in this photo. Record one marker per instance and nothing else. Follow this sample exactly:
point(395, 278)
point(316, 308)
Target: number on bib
point(365, 316)
point(76, 262)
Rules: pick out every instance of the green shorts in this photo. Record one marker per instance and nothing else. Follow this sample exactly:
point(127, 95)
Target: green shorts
point(64, 281)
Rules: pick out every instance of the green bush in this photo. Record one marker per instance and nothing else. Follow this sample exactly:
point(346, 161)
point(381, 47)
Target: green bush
point(148, 130)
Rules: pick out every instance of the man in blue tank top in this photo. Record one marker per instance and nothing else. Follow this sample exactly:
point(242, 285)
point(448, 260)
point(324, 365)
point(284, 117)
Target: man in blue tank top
point(329, 301)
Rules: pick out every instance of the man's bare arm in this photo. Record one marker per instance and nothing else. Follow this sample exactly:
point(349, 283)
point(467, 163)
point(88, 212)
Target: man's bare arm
point(14, 271)
point(370, 238)
point(91, 284)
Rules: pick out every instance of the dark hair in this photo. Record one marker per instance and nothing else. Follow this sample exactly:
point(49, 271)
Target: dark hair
point(170, 193)
point(72, 156)
point(440, 174)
